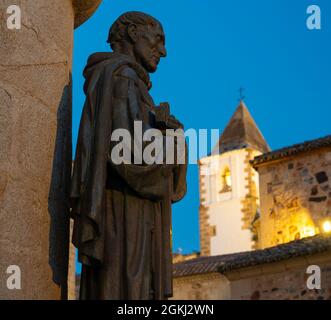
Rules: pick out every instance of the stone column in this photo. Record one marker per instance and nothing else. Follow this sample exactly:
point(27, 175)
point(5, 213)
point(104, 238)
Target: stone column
point(35, 143)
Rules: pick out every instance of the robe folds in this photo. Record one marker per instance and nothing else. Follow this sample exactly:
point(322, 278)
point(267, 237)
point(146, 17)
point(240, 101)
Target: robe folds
point(122, 213)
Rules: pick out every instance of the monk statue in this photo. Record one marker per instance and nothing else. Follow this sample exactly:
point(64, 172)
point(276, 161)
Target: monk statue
point(122, 209)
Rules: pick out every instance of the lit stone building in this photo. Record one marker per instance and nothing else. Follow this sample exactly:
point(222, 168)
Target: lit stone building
point(295, 191)
point(229, 187)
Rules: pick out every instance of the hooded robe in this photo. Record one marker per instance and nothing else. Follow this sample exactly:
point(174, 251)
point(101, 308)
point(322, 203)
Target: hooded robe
point(121, 212)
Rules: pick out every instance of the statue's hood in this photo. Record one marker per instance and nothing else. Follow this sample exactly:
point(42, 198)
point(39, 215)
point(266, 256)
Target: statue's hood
point(98, 60)
point(98, 57)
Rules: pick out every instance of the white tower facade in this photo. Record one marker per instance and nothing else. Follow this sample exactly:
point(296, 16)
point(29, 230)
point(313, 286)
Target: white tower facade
point(229, 188)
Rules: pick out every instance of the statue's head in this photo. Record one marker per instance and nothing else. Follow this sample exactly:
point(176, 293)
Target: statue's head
point(140, 35)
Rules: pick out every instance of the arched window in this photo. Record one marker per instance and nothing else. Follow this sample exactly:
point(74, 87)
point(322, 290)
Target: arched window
point(226, 180)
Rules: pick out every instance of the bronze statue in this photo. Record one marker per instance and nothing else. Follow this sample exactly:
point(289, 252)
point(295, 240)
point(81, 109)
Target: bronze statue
point(122, 212)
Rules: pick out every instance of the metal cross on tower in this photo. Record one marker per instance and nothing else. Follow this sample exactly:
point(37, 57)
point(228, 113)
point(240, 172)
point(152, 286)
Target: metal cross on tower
point(241, 93)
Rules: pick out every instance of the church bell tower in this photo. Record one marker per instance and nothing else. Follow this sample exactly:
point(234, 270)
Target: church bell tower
point(229, 202)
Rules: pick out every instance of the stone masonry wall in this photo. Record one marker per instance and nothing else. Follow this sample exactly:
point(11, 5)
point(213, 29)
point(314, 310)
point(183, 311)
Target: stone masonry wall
point(212, 286)
point(289, 285)
point(251, 203)
point(205, 228)
point(295, 197)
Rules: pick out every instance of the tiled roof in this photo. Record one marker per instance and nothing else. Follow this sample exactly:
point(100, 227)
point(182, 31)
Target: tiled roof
point(241, 132)
point(203, 264)
point(292, 150)
point(225, 263)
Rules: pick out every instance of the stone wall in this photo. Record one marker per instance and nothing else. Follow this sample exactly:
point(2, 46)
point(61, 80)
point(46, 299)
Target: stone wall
point(280, 283)
point(205, 228)
point(295, 197)
point(283, 286)
point(251, 202)
point(282, 280)
point(212, 286)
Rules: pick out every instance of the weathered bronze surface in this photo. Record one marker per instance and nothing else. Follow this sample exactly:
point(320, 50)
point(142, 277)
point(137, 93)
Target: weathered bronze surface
point(122, 213)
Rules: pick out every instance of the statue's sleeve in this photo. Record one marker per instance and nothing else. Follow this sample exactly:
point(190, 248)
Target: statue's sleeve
point(148, 180)
point(179, 179)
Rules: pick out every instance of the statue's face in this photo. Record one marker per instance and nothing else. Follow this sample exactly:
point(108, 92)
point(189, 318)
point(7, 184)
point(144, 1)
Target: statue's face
point(150, 48)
